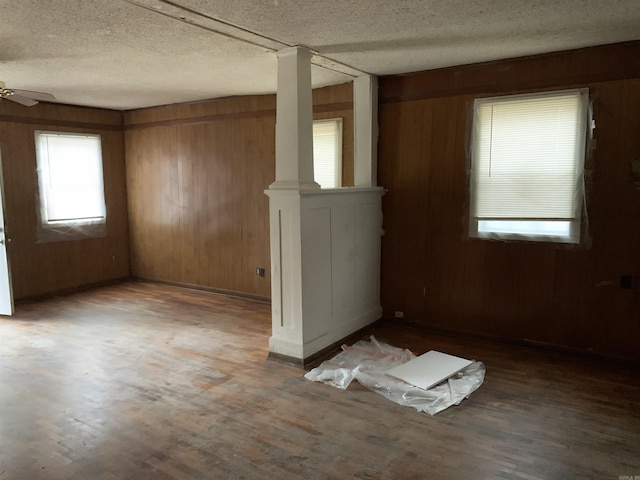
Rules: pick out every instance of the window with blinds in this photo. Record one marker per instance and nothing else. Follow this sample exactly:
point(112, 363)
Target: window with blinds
point(527, 158)
point(327, 152)
point(70, 177)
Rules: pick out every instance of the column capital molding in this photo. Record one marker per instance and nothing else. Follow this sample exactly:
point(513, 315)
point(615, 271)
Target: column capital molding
point(295, 50)
point(293, 185)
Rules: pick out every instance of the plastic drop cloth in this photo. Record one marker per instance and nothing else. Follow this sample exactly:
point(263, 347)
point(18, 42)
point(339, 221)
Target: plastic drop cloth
point(368, 361)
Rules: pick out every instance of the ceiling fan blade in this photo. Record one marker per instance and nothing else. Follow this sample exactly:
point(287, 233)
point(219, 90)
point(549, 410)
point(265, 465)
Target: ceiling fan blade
point(27, 102)
point(43, 97)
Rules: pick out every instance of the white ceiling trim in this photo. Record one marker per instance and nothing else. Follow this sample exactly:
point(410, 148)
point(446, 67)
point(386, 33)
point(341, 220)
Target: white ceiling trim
point(237, 32)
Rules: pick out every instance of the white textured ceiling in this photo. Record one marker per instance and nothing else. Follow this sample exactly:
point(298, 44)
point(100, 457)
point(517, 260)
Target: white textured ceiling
point(125, 54)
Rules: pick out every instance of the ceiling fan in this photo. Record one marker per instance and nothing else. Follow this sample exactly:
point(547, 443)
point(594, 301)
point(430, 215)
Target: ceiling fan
point(24, 97)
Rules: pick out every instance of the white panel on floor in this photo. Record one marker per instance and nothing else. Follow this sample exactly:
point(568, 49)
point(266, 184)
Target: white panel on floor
point(429, 369)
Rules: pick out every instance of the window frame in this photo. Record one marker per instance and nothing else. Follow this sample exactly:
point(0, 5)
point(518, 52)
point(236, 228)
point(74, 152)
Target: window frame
point(575, 233)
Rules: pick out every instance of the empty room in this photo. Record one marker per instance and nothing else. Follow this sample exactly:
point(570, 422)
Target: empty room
point(206, 205)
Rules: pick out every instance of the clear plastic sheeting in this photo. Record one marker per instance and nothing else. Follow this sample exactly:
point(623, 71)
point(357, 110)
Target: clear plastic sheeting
point(67, 232)
point(368, 361)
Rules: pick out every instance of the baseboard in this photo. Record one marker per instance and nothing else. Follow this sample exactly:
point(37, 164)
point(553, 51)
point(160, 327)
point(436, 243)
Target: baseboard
point(203, 288)
point(70, 291)
point(286, 359)
point(320, 356)
point(537, 345)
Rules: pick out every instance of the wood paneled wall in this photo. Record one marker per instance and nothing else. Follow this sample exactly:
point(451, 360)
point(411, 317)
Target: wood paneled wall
point(44, 268)
point(537, 292)
point(196, 175)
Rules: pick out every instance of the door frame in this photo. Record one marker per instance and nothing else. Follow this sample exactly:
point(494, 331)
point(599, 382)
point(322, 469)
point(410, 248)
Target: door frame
point(7, 240)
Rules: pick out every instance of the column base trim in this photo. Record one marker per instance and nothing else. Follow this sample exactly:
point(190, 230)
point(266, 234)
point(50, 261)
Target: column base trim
point(320, 356)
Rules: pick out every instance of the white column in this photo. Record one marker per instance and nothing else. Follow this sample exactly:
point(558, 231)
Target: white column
point(294, 121)
point(294, 173)
point(365, 112)
point(325, 244)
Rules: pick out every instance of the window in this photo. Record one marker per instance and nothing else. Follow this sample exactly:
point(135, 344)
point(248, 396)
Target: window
point(527, 158)
point(327, 152)
point(71, 190)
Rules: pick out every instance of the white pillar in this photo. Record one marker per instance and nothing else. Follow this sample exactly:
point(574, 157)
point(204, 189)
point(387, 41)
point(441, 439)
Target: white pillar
point(294, 173)
point(325, 244)
point(294, 121)
point(365, 112)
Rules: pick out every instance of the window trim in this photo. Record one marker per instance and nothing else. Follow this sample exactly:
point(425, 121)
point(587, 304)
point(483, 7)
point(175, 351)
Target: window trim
point(576, 234)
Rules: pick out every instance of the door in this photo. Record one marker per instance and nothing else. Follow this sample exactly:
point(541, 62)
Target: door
point(6, 295)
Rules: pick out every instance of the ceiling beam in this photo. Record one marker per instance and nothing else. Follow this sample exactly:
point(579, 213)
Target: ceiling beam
point(233, 31)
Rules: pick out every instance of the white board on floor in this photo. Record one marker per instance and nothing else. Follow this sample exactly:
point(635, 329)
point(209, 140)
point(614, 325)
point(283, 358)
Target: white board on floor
point(429, 369)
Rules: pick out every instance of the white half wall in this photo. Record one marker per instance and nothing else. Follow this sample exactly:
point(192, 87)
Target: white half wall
point(325, 266)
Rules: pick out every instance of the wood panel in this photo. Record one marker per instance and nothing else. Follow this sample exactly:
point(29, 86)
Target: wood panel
point(140, 381)
point(45, 268)
point(196, 179)
point(182, 113)
point(548, 293)
point(574, 67)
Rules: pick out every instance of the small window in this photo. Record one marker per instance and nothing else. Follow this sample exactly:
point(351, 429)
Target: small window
point(327, 152)
point(71, 189)
point(527, 159)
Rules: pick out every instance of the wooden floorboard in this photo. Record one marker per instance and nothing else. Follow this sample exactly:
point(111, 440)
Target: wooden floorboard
point(146, 381)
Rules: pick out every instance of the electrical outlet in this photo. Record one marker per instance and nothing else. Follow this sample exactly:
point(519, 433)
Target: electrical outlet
point(398, 314)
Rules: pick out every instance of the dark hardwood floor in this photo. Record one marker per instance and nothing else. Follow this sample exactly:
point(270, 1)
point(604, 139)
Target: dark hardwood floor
point(144, 381)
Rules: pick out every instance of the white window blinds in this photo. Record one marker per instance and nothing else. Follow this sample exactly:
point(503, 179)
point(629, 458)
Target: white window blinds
point(70, 175)
point(327, 153)
point(527, 156)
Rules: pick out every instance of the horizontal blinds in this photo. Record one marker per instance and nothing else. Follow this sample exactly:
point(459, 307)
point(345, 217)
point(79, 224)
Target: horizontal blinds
point(72, 176)
point(325, 153)
point(527, 153)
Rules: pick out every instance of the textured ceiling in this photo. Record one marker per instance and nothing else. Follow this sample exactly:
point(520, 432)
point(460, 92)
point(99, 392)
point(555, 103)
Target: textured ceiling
point(127, 54)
